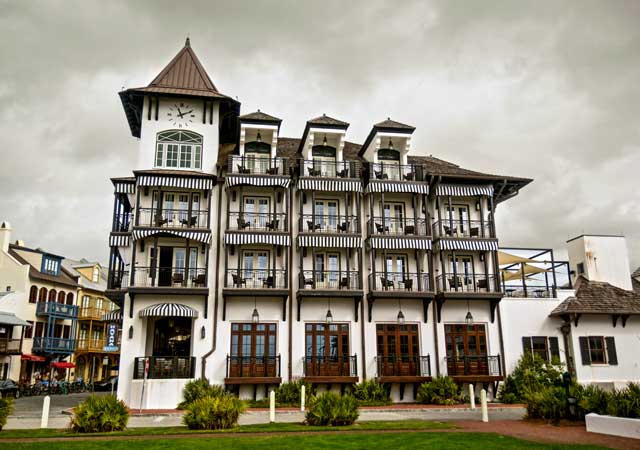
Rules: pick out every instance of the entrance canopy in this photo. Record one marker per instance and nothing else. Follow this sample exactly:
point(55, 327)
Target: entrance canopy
point(11, 319)
point(34, 358)
point(63, 365)
point(169, 310)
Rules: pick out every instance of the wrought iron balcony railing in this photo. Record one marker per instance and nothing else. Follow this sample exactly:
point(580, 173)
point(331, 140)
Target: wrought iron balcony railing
point(486, 365)
point(53, 345)
point(404, 366)
point(400, 281)
point(252, 165)
point(118, 279)
point(467, 283)
point(10, 346)
point(330, 279)
point(398, 226)
point(329, 223)
point(165, 367)
point(463, 229)
point(330, 169)
point(90, 345)
point(396, 172)
point(177, 277)
point(57, 309)
point(256, 279)
point(91, 312)
point(253, 366)
point(172, 218)
point(252, 221)
point(528, 291)
point(330, 366)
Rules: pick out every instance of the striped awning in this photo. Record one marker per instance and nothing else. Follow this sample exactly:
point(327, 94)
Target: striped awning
point(113, 316)
point(467, 244)
point(176, 181)
point(256, 238)
point(119, 240)
point(329, 185)
point(125, 187)
point(200, 236)
point(463, 190)
point(329, 241)
point(414, 187)
point(258, 180)
point(399, 243)
point(169, 310)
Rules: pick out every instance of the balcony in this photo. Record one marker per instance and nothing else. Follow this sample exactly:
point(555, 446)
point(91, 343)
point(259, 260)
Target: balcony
point(53, 345)
point(386, 171)
point(330, 369)
point(256, 279)
point(91, 313)
point(253, 370)
point(251, 165)
point(330, 280)
point(403, 368)
point(528, 291)
point(332, 223)
point(250, 221)
point(400, 282)
point(172, 218)
point(10, 346)
point(169, 277)
point(122, 222)
point(386, 226)
point(468, 284)
point(165, 367)
point(118, 280)
point(468, 229)
point(91, 345)
point(59, 310)
point(479, 367)
point(330, 169)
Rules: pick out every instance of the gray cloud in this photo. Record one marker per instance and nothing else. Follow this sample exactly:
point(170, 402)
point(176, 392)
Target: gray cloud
point(535, 89)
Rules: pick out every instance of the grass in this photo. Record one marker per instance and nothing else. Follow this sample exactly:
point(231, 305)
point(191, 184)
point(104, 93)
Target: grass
point(397, 441)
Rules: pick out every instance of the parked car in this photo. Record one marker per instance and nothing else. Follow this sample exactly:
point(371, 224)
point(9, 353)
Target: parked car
point(9, 388)
point(105, 385)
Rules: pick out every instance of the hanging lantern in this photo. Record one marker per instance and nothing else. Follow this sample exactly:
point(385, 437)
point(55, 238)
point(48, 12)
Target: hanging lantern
point(329, 316)
point(324, 141)
point(400, 318)
point(258, 137)
point(469, 318)
point(255, 317)
point(390, 145)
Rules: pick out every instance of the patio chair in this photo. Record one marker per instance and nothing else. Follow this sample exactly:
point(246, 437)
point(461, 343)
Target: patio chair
point(344, 173)
point(474, 232)
point(242, 169)
point(386, 283)
point(160, 221)
point(455, 282)
point(177, 278)
point(380, 175)
point(198, 280)
point(313, 172)
point(482, 283)
point(308, 282)
point(408, 284)
point(238, 281)
point(268, 282)
point(189, 222)
point(273, 225)
point(410, 229)
point(409, 176)
point(344, 226)
point(344, 283)
point(447, 230)
point(242, 224)
point(313, 227)
point(381, 229)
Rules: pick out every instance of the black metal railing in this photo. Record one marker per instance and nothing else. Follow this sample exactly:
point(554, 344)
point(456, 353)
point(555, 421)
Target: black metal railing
point(463, 229)
point(400, 281)
point(396, 172)
point(253, 366)
point(122, 222)
point(330, 279)
point(256, 279)
point(53, 344)
point(330, 169)
point(254, 165)
point(178, 277)
point(165, 367)
point(468, 283)
point(172, 218)
point(10, 346)
point(404, 366)
point(398, 226)
point(328, 223)
point(118, 279)
point(528, 291)
point(57, 309)
point(486, 365)
point(330, 366)
point(252, 221)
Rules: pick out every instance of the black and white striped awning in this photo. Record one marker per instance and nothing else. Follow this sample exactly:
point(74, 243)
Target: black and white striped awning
point(125, 187)
point(113, 316)
point(329, 185)
point(468, 244)
point(258, 180)
point(256, 238)
point(169, 310)
point(119, 240)
point(176, 182)
point(399, 243)
point(462, 190)
point(329, 241)
point(414, 187)
point(200, 236)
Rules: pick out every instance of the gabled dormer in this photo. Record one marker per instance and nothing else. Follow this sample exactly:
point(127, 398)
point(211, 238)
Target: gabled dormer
point(259, 135)
point(388, 141)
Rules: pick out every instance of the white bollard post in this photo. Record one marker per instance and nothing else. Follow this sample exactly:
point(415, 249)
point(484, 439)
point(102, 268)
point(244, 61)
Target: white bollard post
point(302, 398)
point(483, 402)
point(44, 423)
point(272, 406)
point(472, 396)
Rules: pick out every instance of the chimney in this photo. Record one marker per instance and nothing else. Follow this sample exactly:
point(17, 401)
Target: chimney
point(5, 235)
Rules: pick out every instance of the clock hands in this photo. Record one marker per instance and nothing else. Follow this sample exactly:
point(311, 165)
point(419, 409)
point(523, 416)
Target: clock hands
point(182, 114)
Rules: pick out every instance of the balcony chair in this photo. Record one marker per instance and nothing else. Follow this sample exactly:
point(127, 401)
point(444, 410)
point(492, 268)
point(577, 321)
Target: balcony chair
point(242, 224)
point(268, 282)
point(381, 229)
point(474, 232)
point(380, 175)
point(344, 226)
point(409, 176)
point(177, 278)
point(313, 172)
point(410, 229)
point(386, 283)
point(313, 227)
point(343, 173)
point(482, 284)
point(344, 283)
point(455, 282)
point(308, 282)
point(189, 222)
point(160, 221)
point(242, 169)
point(238, 281)
point(408, 284)
point(198, 280)
point(273, 225)
point(447, 230)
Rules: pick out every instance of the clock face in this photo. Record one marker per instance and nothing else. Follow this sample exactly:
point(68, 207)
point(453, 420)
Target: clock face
point(181, 114)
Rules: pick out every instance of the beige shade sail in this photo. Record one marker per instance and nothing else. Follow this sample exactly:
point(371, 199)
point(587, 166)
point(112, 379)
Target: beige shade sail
point(507, 258)
point(508, 275)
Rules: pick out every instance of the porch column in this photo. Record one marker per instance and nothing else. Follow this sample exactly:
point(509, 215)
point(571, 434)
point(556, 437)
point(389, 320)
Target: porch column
point(185, 280)
point(482, 232)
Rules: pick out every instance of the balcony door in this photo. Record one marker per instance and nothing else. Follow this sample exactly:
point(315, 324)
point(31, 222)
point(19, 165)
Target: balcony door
point(458, 215)
point(172, 336)
point(256, 211)
point(327, 270)
point(324, 160)
point(398, 350)
point(327, 349)
point(165, 266)
point(253, 350)
point(255, 267)
point(466, 349)
point(327, 213)
point(465, 273)
point(394, 217)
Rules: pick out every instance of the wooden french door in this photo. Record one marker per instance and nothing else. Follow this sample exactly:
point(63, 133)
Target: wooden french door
point(466, 349)
point(327, 349)
point(398, 350)
point(253, 350)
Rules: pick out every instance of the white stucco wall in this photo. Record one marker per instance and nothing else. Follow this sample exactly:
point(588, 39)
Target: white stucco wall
point(605, 258)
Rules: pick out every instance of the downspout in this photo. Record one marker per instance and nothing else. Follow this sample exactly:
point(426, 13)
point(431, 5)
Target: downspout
point(290, 275)
point(566, 332)
point(216, 283)
point(432, 188)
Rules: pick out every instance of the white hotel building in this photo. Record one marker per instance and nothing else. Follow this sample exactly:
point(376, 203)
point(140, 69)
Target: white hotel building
point(252, 259)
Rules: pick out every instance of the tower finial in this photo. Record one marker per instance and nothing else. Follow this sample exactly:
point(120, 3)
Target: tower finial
point(187, 43)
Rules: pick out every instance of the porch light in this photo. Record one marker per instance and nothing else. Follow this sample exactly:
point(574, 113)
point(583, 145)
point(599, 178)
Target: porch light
point(390, 145)
point(329, 317)
point(255, 317)
point(258, 137)
point(400, 318)
point(202, 332)
point(469, 318)
point(324, 141)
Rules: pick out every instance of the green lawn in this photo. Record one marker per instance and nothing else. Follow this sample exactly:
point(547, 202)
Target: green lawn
point(396, 441)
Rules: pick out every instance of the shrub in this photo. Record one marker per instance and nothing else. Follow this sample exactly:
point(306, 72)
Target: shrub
point(371, 392)
point(594, 400)
point(625, 402)
point(332, 409)
point(440, 391)
point(6, 406)
point(213, 413)
point(100, 414)
point(549, 403)
point(197, 389)
point(289, 393)
point(531, 374)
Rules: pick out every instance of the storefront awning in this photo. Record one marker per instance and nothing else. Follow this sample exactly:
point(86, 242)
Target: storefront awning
point(176, 181)
point(399, 243)
point(256, 238)
point(414, 187)
point(200, 236)
point(463, 190)
point(330, 241)
point(63, 365)
point(11, 319)
point(468, 244)
point(329, 185)
point(119, 240)
point(34, 358)
point(258, 180)
point(169, 310)
point(113, 316)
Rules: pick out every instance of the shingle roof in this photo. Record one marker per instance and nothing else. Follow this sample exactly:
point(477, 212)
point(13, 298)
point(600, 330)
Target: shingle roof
point(597, 297)
point(35, 273)
point(326, 120)
point(636, 273)
point(259, 116)
point(392, 124)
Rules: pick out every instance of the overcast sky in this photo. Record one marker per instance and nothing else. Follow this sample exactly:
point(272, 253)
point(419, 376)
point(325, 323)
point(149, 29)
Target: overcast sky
point(546, 90)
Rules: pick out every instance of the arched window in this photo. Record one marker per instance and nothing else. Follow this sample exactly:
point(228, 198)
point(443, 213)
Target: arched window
point(61, 297)
point(43, 295)
point(255, 147)
point(179, 149)
point(70, 298)
point(52, 295)
point(33, 294)
point(388, 154)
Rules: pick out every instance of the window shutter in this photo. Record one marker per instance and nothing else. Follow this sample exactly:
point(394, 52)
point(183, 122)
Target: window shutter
point(554, 349)
point(612, 356)
point(526, 345)
point(584, 350)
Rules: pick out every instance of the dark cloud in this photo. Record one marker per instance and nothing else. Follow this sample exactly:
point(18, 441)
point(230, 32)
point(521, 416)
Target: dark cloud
point(537, 89)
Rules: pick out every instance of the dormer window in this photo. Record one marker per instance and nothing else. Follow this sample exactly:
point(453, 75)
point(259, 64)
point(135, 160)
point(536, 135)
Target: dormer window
point(96, 275)
point(324, 159)
point(50, 265)
point(179, 149)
